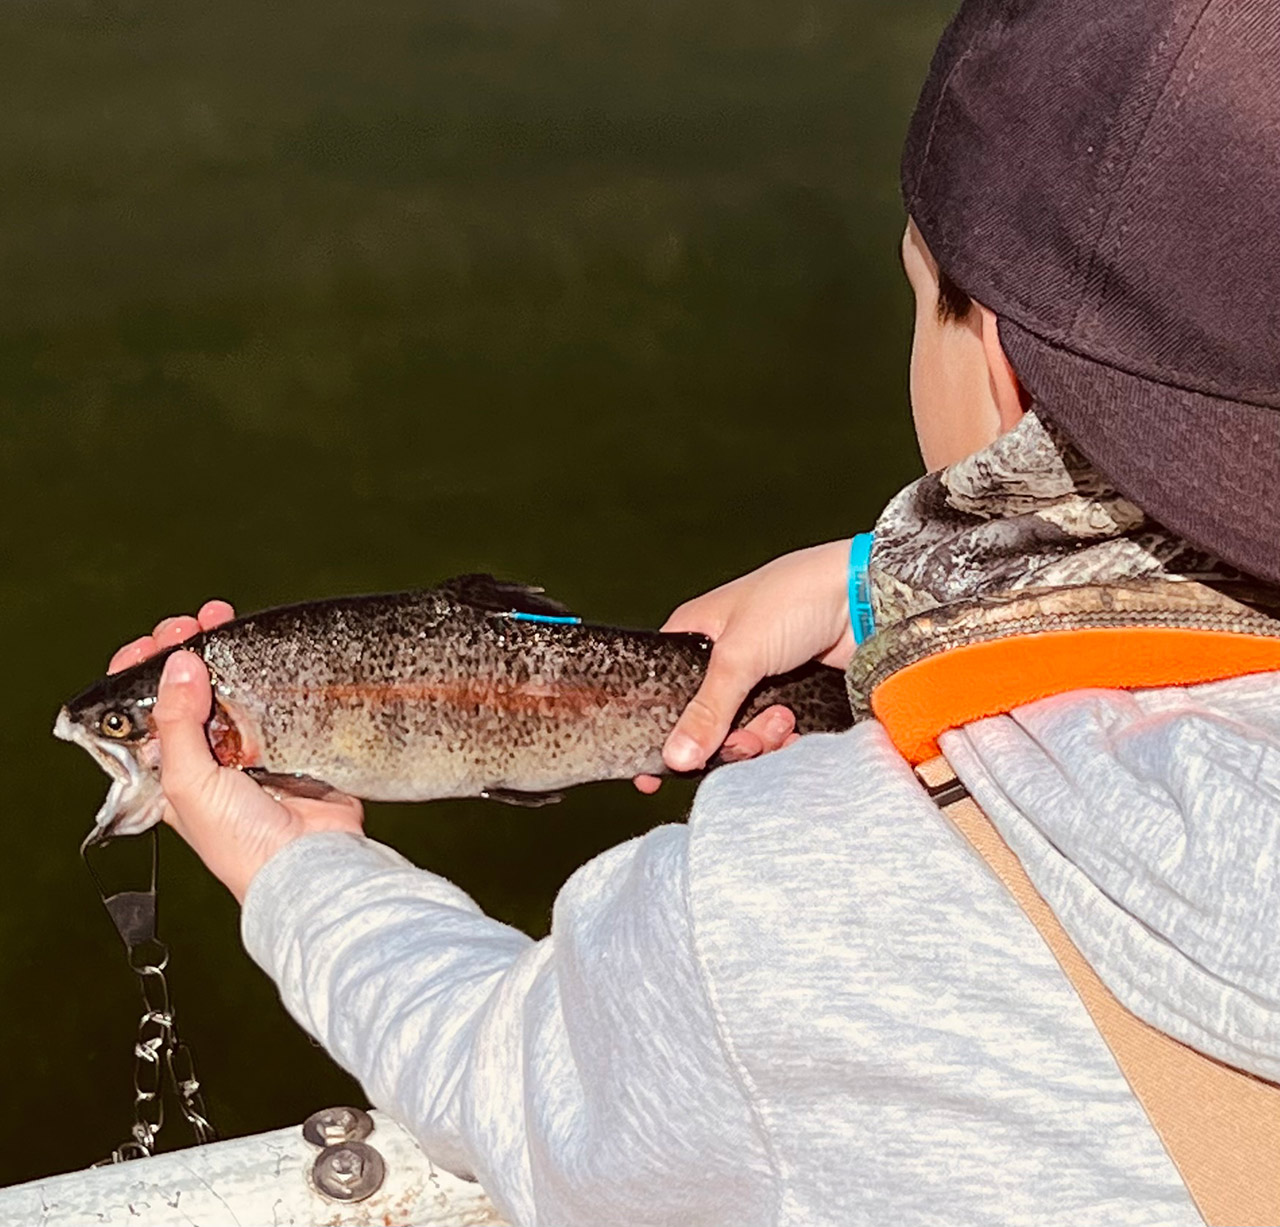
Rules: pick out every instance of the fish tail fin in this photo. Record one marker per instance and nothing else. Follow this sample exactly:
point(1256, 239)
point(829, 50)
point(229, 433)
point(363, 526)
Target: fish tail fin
point(816, 694)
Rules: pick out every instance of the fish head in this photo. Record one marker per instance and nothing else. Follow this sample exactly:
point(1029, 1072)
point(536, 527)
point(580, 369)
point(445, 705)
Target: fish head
point(113, 720)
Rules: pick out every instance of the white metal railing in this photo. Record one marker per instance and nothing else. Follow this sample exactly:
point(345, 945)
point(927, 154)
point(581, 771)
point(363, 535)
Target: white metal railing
point(265, 1180)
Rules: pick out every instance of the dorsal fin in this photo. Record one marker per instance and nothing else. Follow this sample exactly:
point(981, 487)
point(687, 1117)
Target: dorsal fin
point(486, 592)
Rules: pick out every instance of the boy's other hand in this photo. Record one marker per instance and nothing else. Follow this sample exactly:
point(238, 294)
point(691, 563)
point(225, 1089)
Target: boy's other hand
point(790, 611)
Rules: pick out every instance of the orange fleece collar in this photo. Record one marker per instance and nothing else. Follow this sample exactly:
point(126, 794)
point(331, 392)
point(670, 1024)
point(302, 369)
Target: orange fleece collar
point(919, 702)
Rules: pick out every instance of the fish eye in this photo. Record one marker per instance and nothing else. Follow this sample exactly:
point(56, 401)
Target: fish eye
point(116, 724)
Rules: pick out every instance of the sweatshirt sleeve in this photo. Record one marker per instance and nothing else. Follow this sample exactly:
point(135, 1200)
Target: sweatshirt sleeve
point(582, 1071)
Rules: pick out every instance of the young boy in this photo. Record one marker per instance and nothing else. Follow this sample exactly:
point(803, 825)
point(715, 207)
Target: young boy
point(815, 1004)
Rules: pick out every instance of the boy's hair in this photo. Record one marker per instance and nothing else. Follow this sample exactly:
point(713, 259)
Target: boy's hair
point(1104, 175)
point(954, 304)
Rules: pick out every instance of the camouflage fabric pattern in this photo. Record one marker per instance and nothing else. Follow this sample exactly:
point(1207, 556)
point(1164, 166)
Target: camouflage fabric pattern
point(1027, 536)
point(1028, 512)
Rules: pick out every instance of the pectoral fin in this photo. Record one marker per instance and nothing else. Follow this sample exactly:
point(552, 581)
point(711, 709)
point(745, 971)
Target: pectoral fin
point(304, 786)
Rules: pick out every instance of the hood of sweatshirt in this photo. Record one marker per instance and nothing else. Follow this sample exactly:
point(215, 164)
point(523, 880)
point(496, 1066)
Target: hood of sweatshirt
point(1150, 822)
point(1149, 819)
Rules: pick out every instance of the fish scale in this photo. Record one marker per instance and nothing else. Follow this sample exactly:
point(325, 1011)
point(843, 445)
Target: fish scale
point(476, 687)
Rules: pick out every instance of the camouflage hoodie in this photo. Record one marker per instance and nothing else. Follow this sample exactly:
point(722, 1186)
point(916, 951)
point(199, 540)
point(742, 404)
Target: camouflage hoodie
point(1028, 536)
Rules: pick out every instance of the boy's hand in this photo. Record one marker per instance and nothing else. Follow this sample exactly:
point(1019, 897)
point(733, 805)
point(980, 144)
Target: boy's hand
point(790, 611)
point(234, 826)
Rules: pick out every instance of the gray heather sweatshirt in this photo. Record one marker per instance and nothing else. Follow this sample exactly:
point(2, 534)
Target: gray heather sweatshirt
point(814, 1004)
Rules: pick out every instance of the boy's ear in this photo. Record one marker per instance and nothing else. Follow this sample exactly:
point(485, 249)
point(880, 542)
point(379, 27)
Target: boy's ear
point(1011, 398)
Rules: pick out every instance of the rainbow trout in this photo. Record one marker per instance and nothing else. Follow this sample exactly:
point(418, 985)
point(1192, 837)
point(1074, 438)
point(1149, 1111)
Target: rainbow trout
point(476, 688)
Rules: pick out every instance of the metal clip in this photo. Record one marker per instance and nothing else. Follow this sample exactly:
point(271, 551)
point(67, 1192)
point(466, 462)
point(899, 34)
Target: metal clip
point(158, 1049)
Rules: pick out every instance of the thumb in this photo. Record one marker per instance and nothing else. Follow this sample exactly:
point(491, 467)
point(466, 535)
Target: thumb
point(187, 765)
point(705, 722)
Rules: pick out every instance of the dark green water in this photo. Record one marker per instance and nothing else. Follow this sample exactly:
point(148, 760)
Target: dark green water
point(304, 299)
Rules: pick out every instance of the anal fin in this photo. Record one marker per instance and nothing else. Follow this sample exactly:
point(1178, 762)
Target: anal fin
point(527, 800)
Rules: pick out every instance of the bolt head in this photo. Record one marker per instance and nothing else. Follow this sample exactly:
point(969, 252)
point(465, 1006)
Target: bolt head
point(346, 1166)
point(338, 1125)
point(350, 1172)
point(333, 1126)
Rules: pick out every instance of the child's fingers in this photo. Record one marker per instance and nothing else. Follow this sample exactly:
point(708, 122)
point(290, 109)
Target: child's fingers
point(739, 745)
point(175, 630)
point(770, 728)
point(705, 721)
point(187, 765)
point(704, 615)
point(133, 653)
point(215, 613)
point(170, 631)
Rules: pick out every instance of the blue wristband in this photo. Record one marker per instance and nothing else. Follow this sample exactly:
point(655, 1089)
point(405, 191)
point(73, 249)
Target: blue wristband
point(861, 617)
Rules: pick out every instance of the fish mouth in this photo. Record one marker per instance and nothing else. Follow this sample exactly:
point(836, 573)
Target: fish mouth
point(134, 802)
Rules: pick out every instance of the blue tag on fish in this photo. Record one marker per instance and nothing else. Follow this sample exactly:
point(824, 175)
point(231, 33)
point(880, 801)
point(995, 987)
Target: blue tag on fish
point(549, 619)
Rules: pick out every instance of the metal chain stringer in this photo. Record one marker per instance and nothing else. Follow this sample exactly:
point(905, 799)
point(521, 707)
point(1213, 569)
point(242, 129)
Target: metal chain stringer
point(158, 1050)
